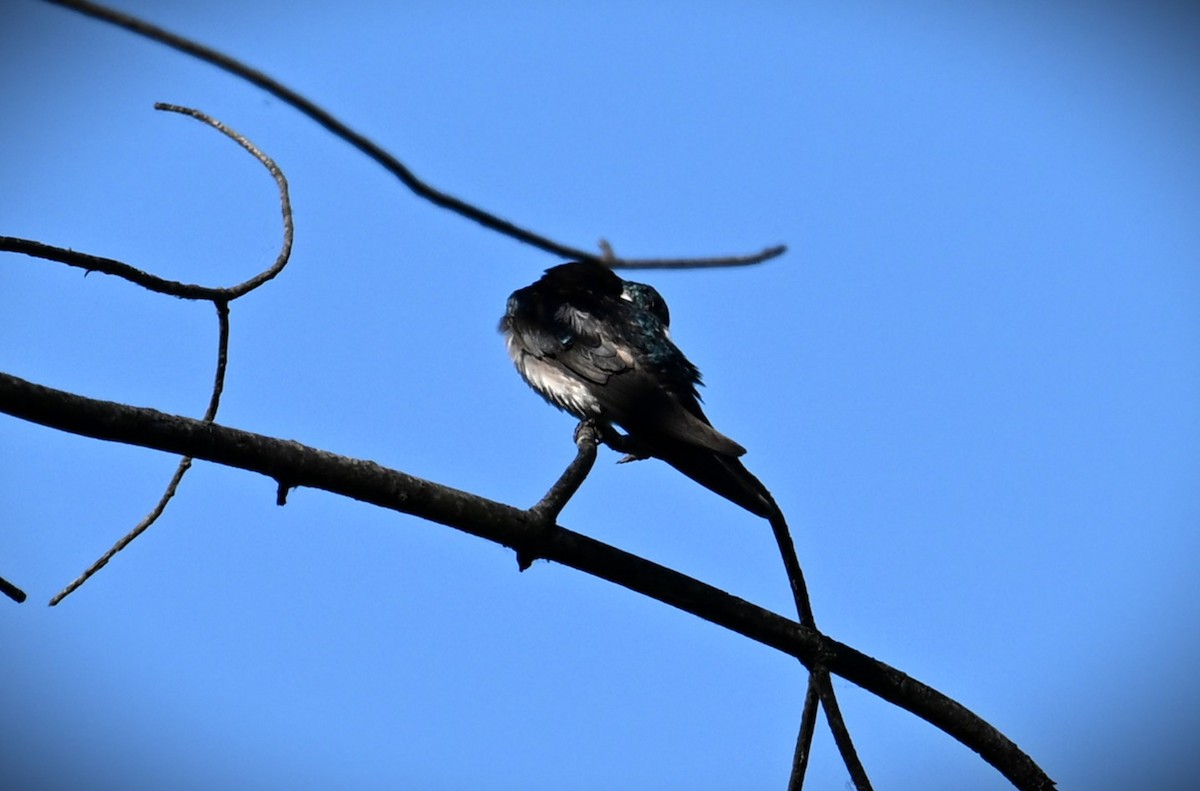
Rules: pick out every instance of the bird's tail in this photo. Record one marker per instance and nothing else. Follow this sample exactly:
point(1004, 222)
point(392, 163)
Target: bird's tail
point(723, 474)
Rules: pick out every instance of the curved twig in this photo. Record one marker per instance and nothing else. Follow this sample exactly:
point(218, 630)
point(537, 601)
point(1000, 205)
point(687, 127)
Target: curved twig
point(369, 482)
point(108, 266)
point(386, 160)
point(285, 202)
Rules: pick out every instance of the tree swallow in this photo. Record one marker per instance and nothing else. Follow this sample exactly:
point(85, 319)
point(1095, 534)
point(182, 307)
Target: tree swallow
point(599, 347)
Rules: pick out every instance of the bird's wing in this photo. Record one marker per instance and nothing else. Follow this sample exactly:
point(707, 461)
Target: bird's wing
point(631, 392)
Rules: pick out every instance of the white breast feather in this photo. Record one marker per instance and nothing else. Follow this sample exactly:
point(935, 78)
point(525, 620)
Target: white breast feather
point(558, 387)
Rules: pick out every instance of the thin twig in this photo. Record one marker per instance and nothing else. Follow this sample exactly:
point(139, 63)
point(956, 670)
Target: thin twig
point(94, 263)
point(550, 506)
point(804, 737)
point(214, 401)
point(808, 726)
point(816, 679)
point(546, 511)
point(820, 689)
point(185, 463)
point(386, 160)
point(285, 202)
point(108, 266)
point(817, 674)
point(841, 735)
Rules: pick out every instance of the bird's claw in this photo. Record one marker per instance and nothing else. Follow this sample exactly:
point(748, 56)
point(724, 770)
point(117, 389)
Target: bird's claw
point(587, 432)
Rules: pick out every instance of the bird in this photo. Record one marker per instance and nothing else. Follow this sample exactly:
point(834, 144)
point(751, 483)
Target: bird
point(599, 348)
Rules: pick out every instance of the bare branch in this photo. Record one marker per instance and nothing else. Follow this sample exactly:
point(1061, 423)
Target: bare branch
point(108, 266)
point(367, 481)
point(214, 400)
point(841, 734)
point(808, 726)
point(609, 258)
point(547, 509)
point(382, 157)
point(94, 263)
point(285, 201)
point(11, 591)
point(818, 677)
point(184, 464)
point(550, 506)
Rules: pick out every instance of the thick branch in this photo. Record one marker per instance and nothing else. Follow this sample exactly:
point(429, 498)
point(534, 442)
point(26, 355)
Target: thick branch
point(300, 465)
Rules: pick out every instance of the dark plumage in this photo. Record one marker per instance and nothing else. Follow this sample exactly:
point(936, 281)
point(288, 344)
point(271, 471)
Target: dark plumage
point(599, 348)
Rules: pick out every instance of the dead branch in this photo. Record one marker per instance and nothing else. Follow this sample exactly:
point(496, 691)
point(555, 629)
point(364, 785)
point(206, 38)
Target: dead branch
point(818, 676)
point(108, 266)
point(300, 465)
point(391, 163)
point(11, 591)
point(185, 463)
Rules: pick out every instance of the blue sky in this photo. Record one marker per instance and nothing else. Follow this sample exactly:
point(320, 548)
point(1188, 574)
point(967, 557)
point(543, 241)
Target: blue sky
point(972, 384)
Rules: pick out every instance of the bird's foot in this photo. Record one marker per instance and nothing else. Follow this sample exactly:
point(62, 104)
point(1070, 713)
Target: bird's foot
point(623, 443)
point(588, 431)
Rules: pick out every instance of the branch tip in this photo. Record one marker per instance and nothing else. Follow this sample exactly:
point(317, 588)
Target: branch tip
point(12, 591)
